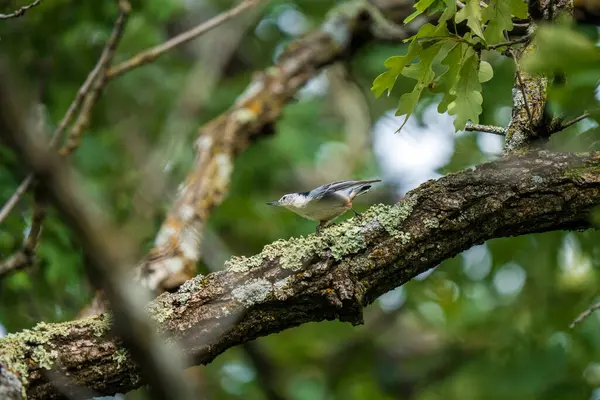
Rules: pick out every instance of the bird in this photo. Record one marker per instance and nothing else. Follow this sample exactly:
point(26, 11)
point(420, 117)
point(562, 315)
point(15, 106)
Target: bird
point(326, 202)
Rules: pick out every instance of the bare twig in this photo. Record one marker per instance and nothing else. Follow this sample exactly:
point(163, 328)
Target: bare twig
point(37, 218)
point(522, 88)
point(21, 11)
point(97, 81)
point(14, 263)
point(25, 256)
point(109, 252)
point(82, 94)
point(496, 130)
point(153, 53)
point(14, 199)
point(574, 121)
point(585, 314)
point(523, 39)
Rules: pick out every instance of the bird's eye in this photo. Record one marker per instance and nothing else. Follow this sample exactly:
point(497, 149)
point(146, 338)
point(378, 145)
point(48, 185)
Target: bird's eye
point(284, 198)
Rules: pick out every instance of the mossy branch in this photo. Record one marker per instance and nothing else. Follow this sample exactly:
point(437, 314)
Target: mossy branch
point(311, 279)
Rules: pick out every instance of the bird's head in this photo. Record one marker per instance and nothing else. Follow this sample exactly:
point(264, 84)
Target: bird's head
point(288, 200)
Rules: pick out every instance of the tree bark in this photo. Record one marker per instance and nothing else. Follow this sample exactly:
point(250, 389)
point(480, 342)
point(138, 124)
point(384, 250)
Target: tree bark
point(312, 279)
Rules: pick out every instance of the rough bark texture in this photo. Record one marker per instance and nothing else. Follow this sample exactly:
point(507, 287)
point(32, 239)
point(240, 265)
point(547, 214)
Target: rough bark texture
point(319, 278)
point(530, 122)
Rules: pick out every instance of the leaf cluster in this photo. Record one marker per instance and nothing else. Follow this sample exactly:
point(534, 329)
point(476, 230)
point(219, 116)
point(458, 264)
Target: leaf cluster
point(443, 61)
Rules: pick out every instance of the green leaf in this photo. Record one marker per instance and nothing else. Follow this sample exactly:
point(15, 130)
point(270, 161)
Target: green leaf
point(446, 82)
point(486, 71)
point(467, 105)
point(424, 74)
point(519, 8)
point(472, 13)
point(386, 81)
point(448, 13)
point(499, 14)
point(420, 7)
point(427, 30)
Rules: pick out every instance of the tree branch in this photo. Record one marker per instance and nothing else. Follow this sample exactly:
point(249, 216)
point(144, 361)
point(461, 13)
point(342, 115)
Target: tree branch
point(323, 278)
point(153, 53)
point(175, 254)
point(21, 11)
point(496, 130)
point(86, 98)
point(530, 123)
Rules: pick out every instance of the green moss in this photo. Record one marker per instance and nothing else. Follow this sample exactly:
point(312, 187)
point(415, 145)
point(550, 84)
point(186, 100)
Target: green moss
point(120, 356)
point(159, 312)
point(193, 285)
point(102, 326)
point(404, 237)
point(12, 358)
point(45, 359)
point(293, 253)
point(346, 241)
point(581, 174)
point(391, 217)
point(431, 223)
point(243, 264)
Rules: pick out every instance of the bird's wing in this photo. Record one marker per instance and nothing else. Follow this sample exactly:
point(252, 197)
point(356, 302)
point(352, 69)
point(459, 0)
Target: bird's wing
point(338, 186)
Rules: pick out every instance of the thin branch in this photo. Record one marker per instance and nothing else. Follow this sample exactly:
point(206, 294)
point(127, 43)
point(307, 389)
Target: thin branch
point(585, 314)
point(98, 80)
point(21, 11)
point(82, 94)
point(14, 199)
point(37, 218)
point(14, 263)
point(25, 256)
point(109, 253)
point(509, 43)
point(575, 120)
point(153, 53)
point(521, 86)
point(496, 130)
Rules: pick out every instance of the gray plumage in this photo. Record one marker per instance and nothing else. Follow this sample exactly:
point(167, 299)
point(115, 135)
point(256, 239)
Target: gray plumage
point(326, 202)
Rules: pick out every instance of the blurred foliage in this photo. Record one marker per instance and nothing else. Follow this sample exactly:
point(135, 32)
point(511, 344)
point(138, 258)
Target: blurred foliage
point(491, 323)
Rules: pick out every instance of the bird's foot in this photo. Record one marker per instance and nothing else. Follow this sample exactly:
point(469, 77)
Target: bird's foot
point(318, 232)
point(356, 213)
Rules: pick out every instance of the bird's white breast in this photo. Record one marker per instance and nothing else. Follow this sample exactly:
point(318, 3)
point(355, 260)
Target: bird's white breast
point(319, 211)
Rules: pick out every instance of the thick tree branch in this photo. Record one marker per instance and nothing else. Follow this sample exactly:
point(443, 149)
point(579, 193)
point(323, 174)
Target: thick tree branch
point(323, 278)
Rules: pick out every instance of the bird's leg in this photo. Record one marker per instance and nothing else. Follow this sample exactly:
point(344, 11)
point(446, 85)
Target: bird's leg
point(356, 213)
point(319, 228)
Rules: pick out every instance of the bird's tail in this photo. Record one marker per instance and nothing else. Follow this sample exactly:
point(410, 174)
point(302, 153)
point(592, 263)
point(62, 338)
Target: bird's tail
point(362, 187)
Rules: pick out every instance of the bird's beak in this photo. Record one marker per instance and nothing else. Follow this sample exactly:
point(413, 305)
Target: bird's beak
point(273, 203)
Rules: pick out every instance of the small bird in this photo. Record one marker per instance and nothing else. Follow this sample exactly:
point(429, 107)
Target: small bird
point(325, 203)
